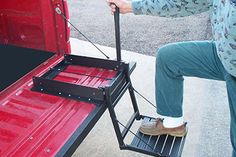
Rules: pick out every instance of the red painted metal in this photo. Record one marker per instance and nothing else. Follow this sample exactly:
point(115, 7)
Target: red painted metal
point(32, 123)
point(36, 124)
point(95, 76)
point(35, 24)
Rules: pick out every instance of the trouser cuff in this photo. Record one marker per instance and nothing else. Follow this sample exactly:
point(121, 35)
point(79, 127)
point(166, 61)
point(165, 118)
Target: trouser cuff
point(234, 154)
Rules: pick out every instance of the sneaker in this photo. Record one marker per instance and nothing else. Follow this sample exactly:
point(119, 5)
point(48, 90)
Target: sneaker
point(156, 128)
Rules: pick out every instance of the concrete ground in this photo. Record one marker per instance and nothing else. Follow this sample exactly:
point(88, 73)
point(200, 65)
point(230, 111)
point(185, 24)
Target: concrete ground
point(205, 106)
point(142, 34)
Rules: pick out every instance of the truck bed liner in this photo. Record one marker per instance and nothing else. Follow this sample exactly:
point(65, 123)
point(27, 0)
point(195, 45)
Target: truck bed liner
point(16, 62)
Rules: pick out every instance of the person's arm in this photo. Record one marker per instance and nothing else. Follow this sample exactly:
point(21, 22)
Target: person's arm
point(166, 8)
point(170, 8)
point(233, 2)
point(231, 22)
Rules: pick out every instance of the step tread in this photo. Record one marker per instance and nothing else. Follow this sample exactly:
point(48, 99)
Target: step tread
point(165, 145)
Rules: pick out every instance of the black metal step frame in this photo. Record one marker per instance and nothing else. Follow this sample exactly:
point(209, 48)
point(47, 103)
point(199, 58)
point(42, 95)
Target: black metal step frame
point(109, 96)
point(103, 97)
point(159, 146)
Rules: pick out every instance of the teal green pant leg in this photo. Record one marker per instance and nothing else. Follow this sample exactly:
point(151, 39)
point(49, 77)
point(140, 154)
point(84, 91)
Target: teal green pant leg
point(182, 59)
point(198, 59)
point(231, 89)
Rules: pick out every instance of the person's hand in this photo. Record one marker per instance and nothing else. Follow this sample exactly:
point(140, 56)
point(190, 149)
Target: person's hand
point(123, 5)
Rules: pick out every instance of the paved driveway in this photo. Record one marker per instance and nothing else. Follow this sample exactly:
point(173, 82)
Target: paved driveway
point(143, 34)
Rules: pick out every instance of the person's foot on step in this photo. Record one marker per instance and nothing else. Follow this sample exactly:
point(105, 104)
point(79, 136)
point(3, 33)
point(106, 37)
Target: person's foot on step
point(156, 127)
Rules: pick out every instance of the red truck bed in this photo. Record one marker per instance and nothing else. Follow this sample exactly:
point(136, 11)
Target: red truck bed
point(37, 124)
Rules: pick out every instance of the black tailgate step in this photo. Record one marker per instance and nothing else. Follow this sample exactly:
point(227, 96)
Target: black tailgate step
point(163, 145)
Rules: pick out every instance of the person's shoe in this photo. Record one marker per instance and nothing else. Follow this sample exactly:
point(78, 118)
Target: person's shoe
point(156, 128)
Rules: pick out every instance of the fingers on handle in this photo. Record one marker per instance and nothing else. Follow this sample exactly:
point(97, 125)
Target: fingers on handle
point(112, 2)
point(113, 6)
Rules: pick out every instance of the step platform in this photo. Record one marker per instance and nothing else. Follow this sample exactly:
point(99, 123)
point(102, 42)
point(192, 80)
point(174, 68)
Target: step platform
point(85, 79)
point(163, 145)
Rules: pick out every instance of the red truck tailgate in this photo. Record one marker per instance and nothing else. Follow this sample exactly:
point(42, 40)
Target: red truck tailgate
point(35, 124)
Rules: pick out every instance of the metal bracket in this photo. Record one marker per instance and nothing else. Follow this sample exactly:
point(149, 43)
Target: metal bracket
point(47, 84)
point(88, 94)
point(58, 10)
